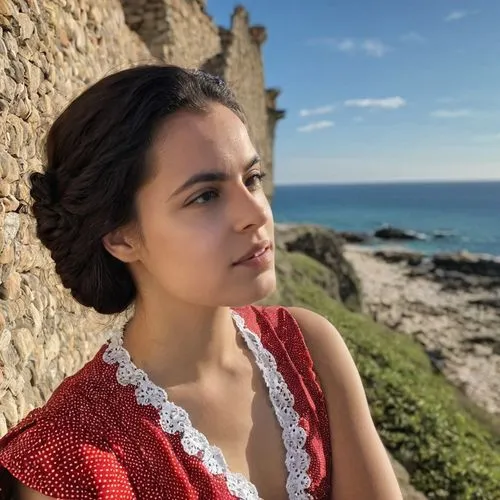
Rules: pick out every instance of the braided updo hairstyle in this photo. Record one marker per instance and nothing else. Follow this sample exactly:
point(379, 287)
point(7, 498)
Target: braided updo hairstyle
point(96, 162)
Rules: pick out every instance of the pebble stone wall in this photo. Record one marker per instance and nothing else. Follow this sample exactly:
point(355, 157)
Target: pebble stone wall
point(50, 50)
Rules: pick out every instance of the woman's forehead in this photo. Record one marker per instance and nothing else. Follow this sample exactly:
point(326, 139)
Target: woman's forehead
point(191, 142)
point(197, 140)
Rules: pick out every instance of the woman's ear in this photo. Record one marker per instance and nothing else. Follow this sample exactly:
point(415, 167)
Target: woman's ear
point(122, 244)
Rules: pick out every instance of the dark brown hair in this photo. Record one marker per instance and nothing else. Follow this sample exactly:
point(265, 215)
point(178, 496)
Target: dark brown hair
point(96, 162)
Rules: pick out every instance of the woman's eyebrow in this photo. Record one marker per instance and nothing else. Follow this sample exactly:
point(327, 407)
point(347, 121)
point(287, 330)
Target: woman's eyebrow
point(213, 176)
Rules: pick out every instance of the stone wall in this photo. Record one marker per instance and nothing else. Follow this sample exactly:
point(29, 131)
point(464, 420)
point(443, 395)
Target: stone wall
point(50, 51)
point(180, 31)
point(242, 65)
point(177, 31)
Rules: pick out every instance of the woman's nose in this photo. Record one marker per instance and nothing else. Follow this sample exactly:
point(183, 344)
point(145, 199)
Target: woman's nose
point(251, 210)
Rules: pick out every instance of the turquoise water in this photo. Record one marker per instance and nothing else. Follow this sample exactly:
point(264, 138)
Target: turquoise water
point(468, 211)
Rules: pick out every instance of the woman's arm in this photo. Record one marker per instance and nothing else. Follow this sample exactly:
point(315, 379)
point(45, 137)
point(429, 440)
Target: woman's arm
point(361, 466)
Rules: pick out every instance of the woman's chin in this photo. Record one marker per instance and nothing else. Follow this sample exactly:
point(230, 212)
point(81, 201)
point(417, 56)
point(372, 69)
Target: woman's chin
point(254, 290)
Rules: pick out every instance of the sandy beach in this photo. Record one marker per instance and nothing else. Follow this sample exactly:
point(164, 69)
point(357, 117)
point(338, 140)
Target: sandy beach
point(459, 328)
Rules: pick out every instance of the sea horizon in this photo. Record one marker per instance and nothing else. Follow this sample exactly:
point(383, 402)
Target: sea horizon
point(388, 182)
point(449, 216)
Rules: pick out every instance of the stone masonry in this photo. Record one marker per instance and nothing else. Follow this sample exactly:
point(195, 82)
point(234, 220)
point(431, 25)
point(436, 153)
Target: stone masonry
point(50, 51)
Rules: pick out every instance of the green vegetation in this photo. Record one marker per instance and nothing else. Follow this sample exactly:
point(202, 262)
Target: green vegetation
point(448, 451)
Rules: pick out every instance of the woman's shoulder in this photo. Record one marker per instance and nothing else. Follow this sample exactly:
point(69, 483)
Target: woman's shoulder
point(304, 340)
point(275, 316)
point(62, 449)
point(287, 320)
point(281, 331)
point(84, 395)
point(289, 324)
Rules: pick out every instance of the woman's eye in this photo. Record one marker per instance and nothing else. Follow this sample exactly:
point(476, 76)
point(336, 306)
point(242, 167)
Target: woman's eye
point(255, 180)
point(205, 197)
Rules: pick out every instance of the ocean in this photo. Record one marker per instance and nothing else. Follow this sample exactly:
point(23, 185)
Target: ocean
point(467, 213)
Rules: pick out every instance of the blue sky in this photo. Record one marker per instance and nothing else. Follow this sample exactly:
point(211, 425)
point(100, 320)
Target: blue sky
point(382, 90)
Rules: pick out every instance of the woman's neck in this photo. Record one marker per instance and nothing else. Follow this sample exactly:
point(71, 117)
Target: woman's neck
point(176, 343)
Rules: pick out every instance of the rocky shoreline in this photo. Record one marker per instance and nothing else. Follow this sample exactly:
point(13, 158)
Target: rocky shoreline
point(450, 303)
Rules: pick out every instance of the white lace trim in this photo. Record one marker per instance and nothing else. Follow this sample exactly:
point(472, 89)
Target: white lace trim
point(174, 419)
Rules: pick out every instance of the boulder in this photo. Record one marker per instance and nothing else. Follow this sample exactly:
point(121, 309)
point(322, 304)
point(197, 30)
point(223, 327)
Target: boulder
point(394, 233)
point(468, 263)
point(327, 247)
point(396, 255)
point(355, 237)
point(440, 234)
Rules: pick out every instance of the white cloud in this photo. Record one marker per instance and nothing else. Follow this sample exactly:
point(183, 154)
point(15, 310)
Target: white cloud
point(310, 127)
point(456, 15)
point(345, 45)
point(386, 103)
point(450, 113)
point(413, 37)
point(322, 110)
point(372, 47)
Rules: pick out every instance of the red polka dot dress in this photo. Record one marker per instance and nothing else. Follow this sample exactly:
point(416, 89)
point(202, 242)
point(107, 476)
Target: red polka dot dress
point(108, 432)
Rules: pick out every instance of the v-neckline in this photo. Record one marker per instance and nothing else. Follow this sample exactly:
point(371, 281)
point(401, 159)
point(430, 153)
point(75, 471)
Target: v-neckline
point(174, 419)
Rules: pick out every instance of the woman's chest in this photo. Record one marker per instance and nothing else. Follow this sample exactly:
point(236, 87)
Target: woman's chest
point(236, 437)
point(237, 416)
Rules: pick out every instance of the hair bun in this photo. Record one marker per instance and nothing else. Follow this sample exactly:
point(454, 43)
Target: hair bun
point(54, 222)
point(94, 277)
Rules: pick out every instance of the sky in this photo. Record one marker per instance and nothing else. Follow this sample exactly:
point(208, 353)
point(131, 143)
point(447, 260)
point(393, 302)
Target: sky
point(385, 90)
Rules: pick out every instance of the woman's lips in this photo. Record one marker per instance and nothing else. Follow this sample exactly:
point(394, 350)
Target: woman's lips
point(259, 257)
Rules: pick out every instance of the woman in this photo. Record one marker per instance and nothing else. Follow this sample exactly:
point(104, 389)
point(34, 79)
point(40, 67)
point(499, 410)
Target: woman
point(152, 198)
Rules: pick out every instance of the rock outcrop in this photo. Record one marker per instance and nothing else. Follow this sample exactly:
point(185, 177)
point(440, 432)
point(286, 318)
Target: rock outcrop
point(394, 233)
point(467, 263)
point(325, 246)
point(389, 233)
point(355, 237)
point(454, 271)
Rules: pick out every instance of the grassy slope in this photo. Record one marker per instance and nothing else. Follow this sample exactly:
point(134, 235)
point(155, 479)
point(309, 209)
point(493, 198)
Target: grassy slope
point(447, 451)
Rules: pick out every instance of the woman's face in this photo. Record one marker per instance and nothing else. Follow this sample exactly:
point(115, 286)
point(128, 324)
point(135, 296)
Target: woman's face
point(203, 211)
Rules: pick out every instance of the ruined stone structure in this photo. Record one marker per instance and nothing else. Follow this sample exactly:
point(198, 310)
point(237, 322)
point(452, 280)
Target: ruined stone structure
point(50, 51)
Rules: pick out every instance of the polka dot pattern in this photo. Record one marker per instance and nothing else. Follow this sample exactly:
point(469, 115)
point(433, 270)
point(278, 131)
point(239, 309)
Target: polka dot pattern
point(92, 440)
